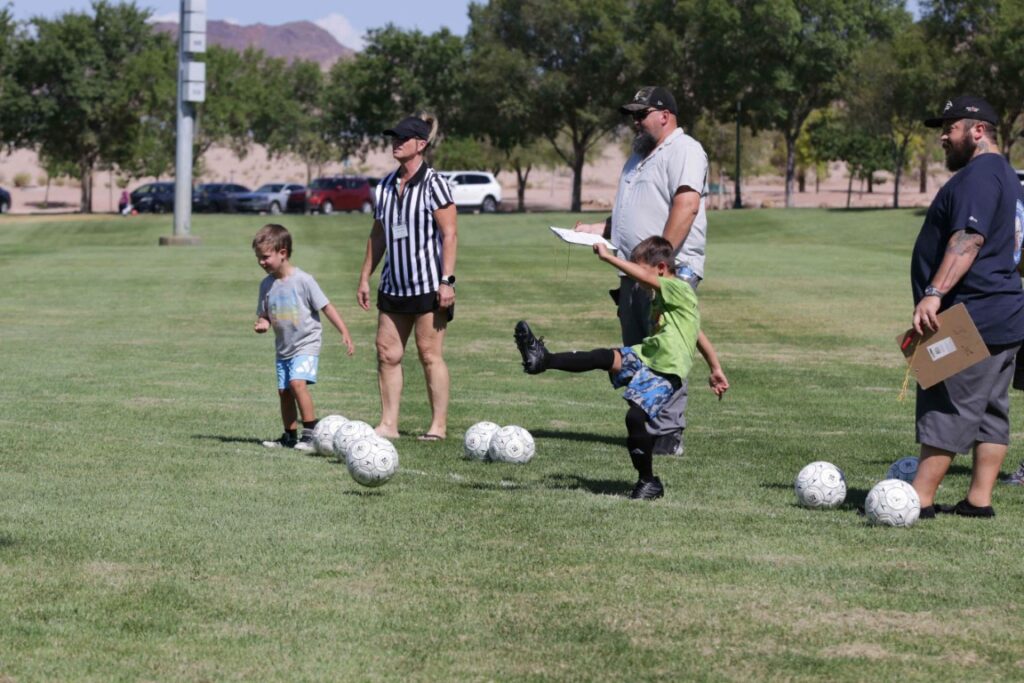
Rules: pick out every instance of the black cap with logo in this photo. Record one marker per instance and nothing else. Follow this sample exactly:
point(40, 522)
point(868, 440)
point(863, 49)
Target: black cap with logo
point(651, 97)
point(964, 107)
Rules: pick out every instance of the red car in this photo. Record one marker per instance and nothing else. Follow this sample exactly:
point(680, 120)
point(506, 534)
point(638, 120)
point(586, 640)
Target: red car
point(341, 193)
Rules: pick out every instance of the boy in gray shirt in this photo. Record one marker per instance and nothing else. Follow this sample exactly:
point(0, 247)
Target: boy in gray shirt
point(290, 301)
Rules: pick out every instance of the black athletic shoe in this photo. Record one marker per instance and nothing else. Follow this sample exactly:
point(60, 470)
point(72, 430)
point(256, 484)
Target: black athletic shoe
point(965, 509)
point(533, 351)
point(647, 490)
point(927, 512)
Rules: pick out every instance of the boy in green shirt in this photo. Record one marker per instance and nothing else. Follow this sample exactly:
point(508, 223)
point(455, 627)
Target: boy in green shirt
point(650, 372)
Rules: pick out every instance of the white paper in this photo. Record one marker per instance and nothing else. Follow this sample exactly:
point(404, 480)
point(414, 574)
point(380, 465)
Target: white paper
point(941, 348)
point(584, 238)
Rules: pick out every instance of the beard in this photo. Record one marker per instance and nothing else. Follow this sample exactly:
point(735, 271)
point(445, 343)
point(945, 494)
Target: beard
point(644, 143)
point(958, 154)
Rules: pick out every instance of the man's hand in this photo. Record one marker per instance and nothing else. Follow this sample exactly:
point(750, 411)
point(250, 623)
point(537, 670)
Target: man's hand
point(261, 325)
point(592, 228)
point(926, 314)
point(718, 382)
point(363, 295)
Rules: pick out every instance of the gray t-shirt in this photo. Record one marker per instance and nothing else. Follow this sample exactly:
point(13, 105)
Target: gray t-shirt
point(293, 307)
point(646, 189)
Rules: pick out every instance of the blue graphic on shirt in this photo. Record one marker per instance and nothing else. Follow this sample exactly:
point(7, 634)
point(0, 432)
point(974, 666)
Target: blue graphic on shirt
point(1018, 233)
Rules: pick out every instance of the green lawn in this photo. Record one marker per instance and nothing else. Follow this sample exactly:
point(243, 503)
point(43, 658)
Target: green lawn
point(145, 535)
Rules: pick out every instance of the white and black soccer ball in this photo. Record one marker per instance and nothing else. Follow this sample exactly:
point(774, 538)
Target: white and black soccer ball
point(347, 434)
point(892, 502)
point(371, 460)
point(904, 469)
point(820, 485)
point(511, 444)
point(323, 433)
point(478, 440)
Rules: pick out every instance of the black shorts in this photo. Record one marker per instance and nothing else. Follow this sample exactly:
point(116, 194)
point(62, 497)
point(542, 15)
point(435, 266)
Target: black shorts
point(411, 305)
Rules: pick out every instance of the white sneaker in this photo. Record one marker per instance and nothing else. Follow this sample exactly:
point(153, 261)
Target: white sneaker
point(286, 440)
point(304, 446)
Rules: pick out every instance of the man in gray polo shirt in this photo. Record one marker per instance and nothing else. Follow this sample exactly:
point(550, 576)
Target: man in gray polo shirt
point(661, 192)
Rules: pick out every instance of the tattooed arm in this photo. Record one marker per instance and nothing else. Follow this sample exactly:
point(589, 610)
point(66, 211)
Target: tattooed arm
point(961, 251)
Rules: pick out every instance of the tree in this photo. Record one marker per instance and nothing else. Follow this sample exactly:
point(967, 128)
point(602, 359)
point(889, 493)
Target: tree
point(227, 115)
point(300, 126)
point(73, 67)
point(838, 136)
point(15, 103)
point(397, 74)
point(503, 110)
point(987, 39)
point(785, 57)
point(888, 88)
point(577, 66)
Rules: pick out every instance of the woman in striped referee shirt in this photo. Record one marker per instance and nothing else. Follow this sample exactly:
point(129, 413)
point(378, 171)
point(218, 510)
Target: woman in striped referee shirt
point(414, 233)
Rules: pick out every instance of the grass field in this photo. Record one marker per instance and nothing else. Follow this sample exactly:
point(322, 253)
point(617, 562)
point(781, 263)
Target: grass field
point(145, 534)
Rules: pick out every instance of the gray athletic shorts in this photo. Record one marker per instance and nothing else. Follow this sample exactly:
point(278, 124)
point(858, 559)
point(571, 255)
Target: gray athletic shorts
point(972, 406)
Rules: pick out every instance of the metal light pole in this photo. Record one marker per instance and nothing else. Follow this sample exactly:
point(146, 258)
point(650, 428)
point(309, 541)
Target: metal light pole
point(191, 89)
point(737, 202)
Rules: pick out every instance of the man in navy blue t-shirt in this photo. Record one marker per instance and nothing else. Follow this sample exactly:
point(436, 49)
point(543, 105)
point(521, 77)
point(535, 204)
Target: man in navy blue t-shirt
point(968, 251)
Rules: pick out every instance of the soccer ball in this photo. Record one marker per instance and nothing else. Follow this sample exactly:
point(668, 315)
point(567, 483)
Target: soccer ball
point(478, 440)
point(323, 433)
point(511, 444)
point(820, 485)
point(349, 433)
point(371, 460)
point(904, 469)
point(892, 502)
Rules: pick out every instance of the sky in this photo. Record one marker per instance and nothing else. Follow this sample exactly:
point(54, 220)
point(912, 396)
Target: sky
point(347, 21)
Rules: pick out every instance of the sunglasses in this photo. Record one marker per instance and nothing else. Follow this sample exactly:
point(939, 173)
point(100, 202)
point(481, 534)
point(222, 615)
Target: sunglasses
point(639, 116)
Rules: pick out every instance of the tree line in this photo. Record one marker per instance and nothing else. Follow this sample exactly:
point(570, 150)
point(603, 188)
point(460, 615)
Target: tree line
point(532, 82)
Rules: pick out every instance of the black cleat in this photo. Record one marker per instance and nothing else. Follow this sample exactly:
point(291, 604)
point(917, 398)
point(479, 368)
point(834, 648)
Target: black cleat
point(533, 351)
point(647, 490)
point(965, 509)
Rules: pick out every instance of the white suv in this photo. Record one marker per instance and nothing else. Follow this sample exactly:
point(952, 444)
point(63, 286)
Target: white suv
point(474, 190)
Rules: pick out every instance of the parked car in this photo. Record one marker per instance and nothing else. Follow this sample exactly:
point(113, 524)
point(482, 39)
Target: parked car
point(340, 193)
point(153, 197)
point(1020, 176)
point(297, 199)
point(271, 198)
point(218, 196)
point(474, 190)
point(5, 200)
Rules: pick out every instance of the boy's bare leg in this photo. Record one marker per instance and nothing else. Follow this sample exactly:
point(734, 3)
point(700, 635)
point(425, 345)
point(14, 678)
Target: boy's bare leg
point(289, 415)
point(931, 469)
point(988, 460)
point(303, 398)
point(392, 334)
point(430, 329)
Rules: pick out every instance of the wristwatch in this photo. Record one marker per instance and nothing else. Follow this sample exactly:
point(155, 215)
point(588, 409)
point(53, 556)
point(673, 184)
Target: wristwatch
point(450, 281)
point(933, 291)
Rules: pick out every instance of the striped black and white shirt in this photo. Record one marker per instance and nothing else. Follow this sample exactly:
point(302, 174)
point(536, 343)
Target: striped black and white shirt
point(413, 242)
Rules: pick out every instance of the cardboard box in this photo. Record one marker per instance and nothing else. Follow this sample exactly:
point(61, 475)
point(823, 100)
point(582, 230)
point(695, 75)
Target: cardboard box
point(938, 355)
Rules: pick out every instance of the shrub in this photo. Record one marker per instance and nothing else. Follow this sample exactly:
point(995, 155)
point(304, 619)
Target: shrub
point(22, 180)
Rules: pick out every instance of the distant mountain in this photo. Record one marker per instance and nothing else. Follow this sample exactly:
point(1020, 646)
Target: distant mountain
point(294, 40)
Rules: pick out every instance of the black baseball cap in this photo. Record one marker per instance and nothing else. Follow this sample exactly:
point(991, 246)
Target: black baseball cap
point(964, 107)
point(651, 97)
point(410, 127)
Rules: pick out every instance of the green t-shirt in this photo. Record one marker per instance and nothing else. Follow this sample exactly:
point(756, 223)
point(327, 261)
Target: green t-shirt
point(676, 317)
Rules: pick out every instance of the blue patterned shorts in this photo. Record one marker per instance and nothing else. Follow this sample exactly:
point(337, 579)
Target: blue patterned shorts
point(297, 367)
point(645, 388)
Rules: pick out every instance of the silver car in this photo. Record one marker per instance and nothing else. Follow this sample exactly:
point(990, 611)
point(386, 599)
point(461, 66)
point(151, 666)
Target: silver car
point(271, 198)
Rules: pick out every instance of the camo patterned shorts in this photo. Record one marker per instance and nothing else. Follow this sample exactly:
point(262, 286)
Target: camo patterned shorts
point(647, 389)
